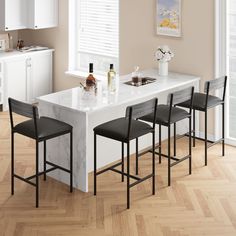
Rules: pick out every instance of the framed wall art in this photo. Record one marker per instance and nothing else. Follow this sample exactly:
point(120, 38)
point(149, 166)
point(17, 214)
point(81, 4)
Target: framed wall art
point(169, 17)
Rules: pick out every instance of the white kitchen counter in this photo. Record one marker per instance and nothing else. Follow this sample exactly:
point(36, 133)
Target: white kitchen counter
point(85, 111)
point(15, 53)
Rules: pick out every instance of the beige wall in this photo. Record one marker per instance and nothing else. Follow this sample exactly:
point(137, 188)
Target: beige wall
point(14, 34)
point(194, 52)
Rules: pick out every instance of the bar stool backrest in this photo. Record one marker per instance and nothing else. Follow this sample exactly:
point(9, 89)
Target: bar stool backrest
point(216, 84)
point(142, 109)
point(179, 97)
point(23, 109)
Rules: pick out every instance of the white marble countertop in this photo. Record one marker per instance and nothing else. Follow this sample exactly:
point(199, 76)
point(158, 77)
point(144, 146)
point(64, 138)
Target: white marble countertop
point(77, 99)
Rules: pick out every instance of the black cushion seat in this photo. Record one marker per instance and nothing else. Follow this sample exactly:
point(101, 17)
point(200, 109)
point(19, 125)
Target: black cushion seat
point(199, 100)
point(47, 128)
point(162, 116)
point(118, 129)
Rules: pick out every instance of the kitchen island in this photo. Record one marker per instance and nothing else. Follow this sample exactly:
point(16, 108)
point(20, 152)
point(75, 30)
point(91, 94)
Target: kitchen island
point(85, 110)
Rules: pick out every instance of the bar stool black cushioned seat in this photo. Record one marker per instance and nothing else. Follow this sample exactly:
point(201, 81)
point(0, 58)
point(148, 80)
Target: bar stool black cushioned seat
point(47, 128)
point(162, 117)
point(40, 129)
point(166, 116)
point(199, 102)
point(204, 101)
point(124, 130)
point(117, 129)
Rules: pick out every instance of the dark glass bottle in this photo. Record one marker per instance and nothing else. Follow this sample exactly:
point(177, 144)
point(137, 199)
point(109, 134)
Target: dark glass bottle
point(90, 81)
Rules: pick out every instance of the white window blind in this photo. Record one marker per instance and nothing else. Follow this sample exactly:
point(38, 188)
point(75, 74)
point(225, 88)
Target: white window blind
point(97, 34)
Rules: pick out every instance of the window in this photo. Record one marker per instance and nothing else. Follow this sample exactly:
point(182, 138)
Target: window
point(94, 35)
point(225, 58)
point(231, 45)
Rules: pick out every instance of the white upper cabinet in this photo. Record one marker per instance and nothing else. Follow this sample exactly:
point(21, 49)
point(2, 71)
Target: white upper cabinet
point(13, 14)
point(43, 14)
point(32, 14)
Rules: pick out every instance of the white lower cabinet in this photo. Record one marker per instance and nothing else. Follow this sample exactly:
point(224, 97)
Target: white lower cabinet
point(26, 77)
point(40, 82)
point(1, 82)
point(15, 77)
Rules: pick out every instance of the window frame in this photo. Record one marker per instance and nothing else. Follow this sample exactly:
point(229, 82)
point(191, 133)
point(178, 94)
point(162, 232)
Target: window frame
point(73, 23)
point(222, 63)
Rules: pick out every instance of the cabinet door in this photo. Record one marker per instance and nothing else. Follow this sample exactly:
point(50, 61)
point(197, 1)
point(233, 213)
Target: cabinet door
point(15, 14)
point(46, 13)
point(41, 75)
point(15, 76)
point(1, 83)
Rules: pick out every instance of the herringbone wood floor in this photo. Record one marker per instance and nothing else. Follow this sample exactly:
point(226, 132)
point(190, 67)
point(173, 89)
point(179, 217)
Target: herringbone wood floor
point(201, 204)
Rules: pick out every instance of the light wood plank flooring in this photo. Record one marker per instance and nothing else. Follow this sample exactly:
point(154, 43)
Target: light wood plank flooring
point(201, 204)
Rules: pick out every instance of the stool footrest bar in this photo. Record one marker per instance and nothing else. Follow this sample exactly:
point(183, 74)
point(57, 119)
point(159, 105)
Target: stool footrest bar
point(25, 180)
point(201, 139)
point(123, 173)
point(141, 180)
point(171, 157)
point(180, 160)
point(59, 167)
point(148, 151)
point(109, 168)
point(41, 173)
point(214, 143)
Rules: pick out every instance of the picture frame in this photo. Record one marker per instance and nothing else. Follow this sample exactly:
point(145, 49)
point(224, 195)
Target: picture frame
point(168, 17)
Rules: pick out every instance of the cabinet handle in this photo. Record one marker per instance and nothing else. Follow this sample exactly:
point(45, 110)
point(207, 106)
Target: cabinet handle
point(28, 64)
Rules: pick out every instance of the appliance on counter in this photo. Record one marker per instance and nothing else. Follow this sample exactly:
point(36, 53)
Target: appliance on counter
point(4, 42)
point(144, 81)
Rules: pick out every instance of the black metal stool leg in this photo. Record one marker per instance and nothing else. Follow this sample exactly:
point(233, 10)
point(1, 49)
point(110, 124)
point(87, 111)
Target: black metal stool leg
point(44, 160)
point(223, 129)
point(136, 156)
point(12, 163)
point(194, 128)
point(169, 163)
point(37, 174)
point(175, 140)
point(128, 177)
point(206, 138)
point(71, 162)
point(122, 165)
point(95, 164)
point(159, 144)
point(153, 163)
point(190, 147)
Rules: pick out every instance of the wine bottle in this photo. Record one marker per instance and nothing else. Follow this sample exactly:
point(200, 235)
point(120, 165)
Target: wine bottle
point(111, 75)
point(90, 81)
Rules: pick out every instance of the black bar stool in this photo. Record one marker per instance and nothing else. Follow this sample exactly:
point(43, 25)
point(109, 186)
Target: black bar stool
point(204, 101)
point(168, 115)
point(124, 130)
point(40, 129)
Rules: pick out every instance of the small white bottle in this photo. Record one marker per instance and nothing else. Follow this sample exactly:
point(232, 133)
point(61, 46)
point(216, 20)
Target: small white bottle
point(10, 43)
